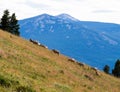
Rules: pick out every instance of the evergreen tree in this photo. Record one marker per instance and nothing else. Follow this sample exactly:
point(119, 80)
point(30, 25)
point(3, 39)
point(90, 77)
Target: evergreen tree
point(106, 69)
point(116, 70)
point(14, 26)
point(9, 23)
point(5, 21)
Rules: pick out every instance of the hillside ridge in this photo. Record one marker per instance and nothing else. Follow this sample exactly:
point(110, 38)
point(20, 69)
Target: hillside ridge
point(30, 67)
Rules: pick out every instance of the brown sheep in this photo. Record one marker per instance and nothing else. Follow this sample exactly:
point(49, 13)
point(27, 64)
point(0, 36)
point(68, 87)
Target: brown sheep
point(37, 43)
point(71, 59)
point(94, 68)
point(56, 52)
point(80, 64)
point(43, 46)
point(96, 71)
point(34, 42)
point(30, 40)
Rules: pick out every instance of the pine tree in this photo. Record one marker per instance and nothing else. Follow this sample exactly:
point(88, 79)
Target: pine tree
point(9, 23)
point(106, 69)
point(116, 70)
point(14, 26)
point(5, 21)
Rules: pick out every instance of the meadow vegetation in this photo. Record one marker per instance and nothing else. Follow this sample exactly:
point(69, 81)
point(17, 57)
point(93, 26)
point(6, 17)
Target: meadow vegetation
point(27, 67)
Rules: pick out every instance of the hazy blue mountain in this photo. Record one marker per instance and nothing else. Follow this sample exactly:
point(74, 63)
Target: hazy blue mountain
point(93, 43)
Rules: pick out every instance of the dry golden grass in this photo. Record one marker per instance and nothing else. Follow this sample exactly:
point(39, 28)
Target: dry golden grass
point(40, 69)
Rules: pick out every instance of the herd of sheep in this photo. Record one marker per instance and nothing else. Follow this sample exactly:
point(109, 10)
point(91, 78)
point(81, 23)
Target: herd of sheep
point(69, 59)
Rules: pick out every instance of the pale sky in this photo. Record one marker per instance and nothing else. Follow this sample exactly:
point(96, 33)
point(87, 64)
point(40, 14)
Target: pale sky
point(85, 10)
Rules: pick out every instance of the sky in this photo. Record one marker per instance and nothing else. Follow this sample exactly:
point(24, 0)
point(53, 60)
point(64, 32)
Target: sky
point(84, 10)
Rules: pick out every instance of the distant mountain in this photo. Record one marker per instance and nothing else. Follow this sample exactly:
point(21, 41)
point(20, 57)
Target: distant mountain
point(93, 43)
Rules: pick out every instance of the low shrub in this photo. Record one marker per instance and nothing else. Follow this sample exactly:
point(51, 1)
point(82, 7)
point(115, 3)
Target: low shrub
point(4, 82)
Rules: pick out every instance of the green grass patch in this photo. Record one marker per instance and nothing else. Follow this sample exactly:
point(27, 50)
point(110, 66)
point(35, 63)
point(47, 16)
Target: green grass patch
point(44, 59)
point(5, 82)
point(62, 88)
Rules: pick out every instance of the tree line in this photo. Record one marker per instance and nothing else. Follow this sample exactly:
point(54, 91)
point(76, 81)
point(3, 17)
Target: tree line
point(9, 23)
point(115, 71)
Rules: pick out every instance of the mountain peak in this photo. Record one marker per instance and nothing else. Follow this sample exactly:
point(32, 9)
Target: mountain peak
point(67, 17)
point(45, 14)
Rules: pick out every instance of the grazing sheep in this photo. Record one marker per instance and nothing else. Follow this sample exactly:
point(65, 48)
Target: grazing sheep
point(94, 68)
point(96, 71)
point(30, 40)
point(37, 43)
point(34, 42)
point(81, 64)
point(56, 52)
point(43, 46)
point(71, 59)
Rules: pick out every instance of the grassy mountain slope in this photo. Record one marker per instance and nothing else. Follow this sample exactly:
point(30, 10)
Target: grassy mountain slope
point(26, 67)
